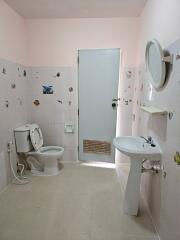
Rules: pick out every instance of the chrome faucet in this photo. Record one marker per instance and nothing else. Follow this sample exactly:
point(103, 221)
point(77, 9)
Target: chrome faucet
point(149, 140)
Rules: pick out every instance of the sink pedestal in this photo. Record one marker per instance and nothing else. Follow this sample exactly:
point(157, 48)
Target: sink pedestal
point(137, 149)
point(132, 192)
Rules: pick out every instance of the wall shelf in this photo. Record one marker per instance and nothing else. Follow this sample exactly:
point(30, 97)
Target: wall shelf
point(153, 110)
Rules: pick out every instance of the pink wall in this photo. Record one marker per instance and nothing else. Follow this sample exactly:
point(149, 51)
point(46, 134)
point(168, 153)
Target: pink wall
point(161, 21)
point(12, 35)
point(54, 42)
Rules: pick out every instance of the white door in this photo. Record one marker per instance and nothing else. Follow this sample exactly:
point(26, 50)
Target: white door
point(98, 95)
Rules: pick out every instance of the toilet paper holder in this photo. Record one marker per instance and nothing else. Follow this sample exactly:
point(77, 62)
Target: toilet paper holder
point(69, 128)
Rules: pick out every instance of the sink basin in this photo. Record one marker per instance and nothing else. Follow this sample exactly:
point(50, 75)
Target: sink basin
point(137, 149)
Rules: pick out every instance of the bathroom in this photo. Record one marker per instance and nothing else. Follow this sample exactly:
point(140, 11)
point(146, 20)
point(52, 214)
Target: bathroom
point(40, 43)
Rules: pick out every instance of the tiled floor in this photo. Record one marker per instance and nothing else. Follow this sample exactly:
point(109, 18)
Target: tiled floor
point(81, 203)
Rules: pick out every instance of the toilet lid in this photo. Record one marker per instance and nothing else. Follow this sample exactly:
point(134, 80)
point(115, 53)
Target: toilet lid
point(36, 136)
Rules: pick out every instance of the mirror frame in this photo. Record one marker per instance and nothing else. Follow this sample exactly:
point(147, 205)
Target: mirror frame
point(161, 81)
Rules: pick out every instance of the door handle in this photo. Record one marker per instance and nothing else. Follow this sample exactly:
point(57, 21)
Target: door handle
point(114, 105)
point(116, 99)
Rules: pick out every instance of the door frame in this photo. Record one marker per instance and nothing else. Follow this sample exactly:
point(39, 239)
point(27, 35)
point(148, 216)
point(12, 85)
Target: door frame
point(77, 88)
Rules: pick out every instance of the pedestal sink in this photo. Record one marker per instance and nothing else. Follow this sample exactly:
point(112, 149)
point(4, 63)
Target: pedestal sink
point(137, 149)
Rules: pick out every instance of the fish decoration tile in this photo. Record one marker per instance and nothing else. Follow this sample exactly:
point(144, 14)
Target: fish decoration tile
point(48, 89)
point(19, 72)
point(36, 102)
point(24, 73)
point(13, 85)
point(70, 89)
point(4, 70)
point(58, 74)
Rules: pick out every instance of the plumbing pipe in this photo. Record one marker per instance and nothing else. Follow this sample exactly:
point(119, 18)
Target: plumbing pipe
point(17, 180)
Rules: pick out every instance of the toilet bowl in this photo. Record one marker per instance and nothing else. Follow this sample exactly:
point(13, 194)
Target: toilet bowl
point(43, 161)
point(48, 157)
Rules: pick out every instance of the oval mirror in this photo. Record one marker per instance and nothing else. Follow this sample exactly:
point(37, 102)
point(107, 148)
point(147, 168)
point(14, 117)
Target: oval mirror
point(155, 64)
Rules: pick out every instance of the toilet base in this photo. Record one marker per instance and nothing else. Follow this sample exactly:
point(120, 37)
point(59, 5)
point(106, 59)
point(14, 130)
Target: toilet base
point(43, 168)
point(51, 171)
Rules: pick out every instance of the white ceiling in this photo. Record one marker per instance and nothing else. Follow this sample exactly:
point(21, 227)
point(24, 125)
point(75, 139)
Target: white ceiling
point(77, 8)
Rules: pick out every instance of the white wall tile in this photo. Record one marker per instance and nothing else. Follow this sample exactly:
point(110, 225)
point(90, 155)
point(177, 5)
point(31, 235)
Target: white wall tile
point(52, 115)
point(13, 116)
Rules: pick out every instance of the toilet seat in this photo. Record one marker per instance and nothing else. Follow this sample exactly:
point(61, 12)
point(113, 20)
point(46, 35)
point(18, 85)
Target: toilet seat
point(36, 136)
point(37, 142)
point(51, 150)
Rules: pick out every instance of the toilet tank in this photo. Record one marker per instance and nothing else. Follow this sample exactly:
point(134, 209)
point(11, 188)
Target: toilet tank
point(22, 139)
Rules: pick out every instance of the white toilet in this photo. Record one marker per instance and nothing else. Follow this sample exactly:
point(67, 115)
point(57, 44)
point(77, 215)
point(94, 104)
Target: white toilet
point(42, 160)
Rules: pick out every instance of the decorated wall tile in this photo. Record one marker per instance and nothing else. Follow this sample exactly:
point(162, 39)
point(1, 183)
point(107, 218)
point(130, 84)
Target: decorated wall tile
point(57, 108)
point(13, 110)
